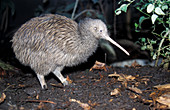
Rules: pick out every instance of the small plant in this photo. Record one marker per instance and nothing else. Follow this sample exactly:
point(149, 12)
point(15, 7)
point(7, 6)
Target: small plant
point(158, 12)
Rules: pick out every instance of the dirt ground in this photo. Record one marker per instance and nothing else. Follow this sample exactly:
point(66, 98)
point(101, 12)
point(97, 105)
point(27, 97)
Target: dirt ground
point(129, 88)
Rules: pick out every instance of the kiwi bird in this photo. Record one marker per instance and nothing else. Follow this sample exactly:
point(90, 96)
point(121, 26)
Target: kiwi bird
point(51, 42)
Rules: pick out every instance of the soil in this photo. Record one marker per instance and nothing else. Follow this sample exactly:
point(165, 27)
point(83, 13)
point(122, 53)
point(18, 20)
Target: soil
point(89, 90)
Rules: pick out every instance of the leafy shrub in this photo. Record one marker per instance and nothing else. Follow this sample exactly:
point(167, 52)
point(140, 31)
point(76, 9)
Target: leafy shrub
point(158, 12)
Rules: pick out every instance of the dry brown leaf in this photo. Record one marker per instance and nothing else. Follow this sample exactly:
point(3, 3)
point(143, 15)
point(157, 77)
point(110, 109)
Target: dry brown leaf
point(152, 94)
point(69, 80)
point(133, 108)
point(92, 104)
point(147, 101)
point(99, 65)
point(164, 99)
point(121, 78)
point(37, 96)
point(130, 77)
point(21, 108)
point(126, 78)
point(2, 98)
point(133, 95)
point(125, 83)
point(135, 89)
point(115, 92)
point(21, 85)
point(83, 105)
point(145, 79)
point(165, 86)
point(110, 100)
point(42, 106)
point(3, 73)
point(114, 75)
point(135, 64)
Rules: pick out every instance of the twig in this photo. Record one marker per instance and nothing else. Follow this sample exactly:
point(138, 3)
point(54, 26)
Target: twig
point(8, 87)
point(74, 10)
point(160, 45)
point(45, 101)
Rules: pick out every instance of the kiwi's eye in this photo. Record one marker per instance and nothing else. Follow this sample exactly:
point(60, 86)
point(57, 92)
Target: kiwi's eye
point(100, 30)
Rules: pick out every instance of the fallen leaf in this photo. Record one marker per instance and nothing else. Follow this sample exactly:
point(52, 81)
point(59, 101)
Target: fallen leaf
point(92, 104)
point(69, 80)
point(37, 97)
point(110, 100)
point(42, 106)
point(99, 65)
point(21, 108)
point(2, 98)
point(145, 80)
point(133, 108)
point(2, 72)
point(59, 85)
point(133, 95)
point(165, 86)
point(135, 89)
point(115, 92)
point(21, 85)
point(114, 75)
point(130, 77)
point(83, 105)
point(153, 95)
point(147, 101)
point(122, 78)
point(164, 99)
point(135, 64)
point(125, 83)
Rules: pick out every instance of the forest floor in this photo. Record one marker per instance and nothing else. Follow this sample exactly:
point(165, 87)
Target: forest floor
point(103, 88)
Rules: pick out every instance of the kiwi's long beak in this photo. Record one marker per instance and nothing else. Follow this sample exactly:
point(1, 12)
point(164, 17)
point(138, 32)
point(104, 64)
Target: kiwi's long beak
point(116, 44)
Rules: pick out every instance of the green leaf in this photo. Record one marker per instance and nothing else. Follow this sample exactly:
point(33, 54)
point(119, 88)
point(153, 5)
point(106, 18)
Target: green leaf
point(136, 25)
point(153, 42)
point(149, 47)
point(118, 12)
point(159, 11)
point(141, 19)
point(143, 48)
point(153, 18)
point(164, 7)
point(143, 40)
point(144, 6)
point(128, 0)
point(150, 8)
point(154, 57)
point(123, 7)
point(137, 30)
